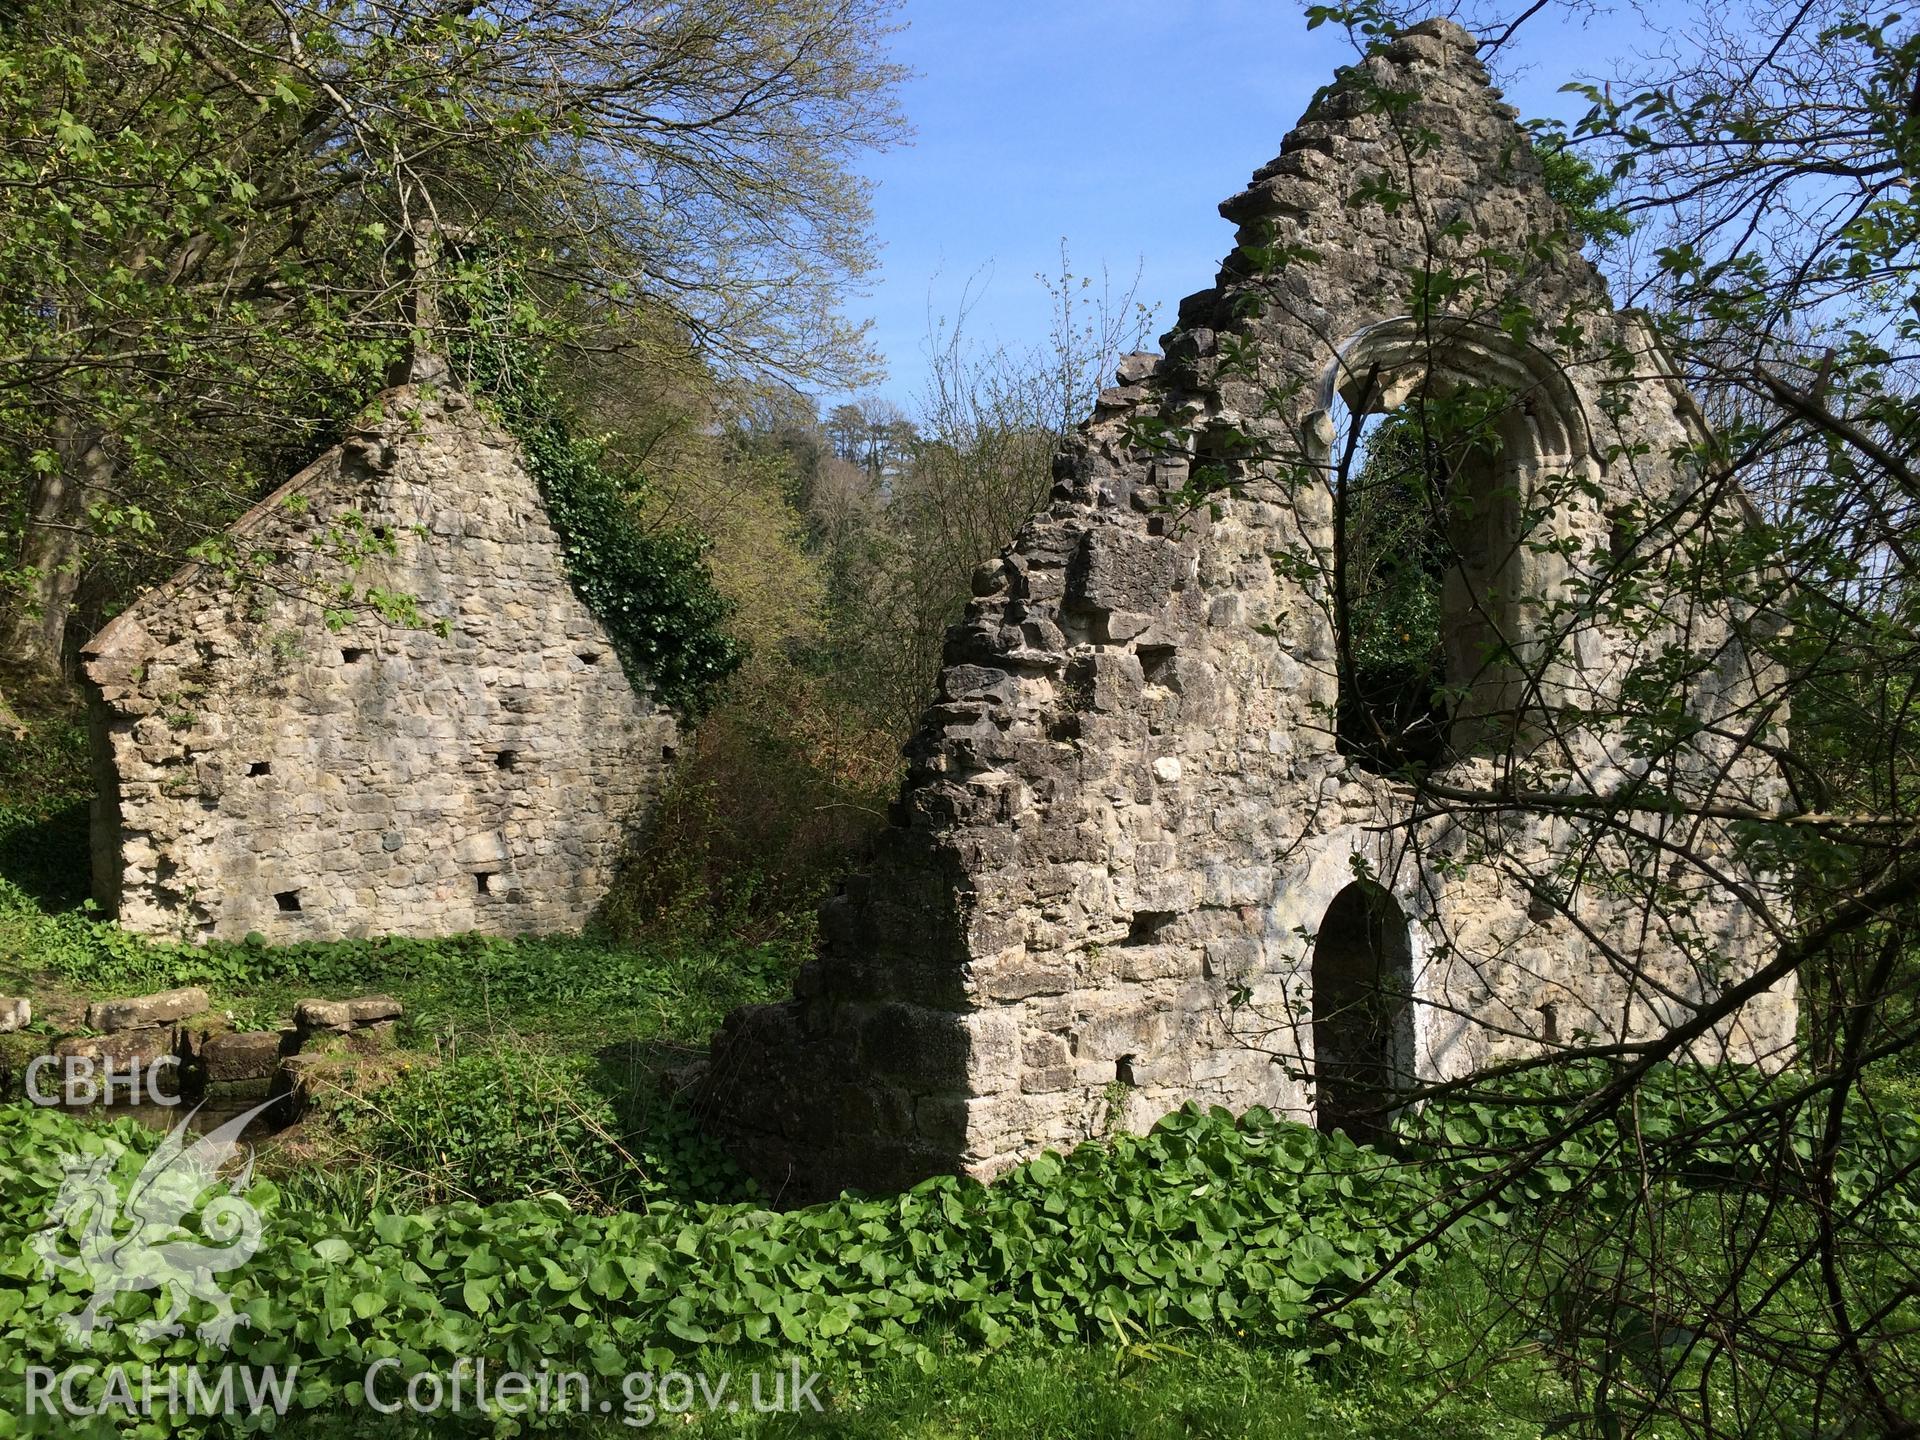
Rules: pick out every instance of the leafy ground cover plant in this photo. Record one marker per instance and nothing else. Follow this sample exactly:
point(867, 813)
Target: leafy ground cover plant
point(1205, 1223)
point(1208, 1226)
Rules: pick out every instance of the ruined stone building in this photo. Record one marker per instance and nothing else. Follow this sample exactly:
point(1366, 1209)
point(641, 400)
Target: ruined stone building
point(390, 713)
point(1140, 857)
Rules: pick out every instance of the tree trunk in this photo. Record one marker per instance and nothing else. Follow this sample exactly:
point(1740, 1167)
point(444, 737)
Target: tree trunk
point(33, 638)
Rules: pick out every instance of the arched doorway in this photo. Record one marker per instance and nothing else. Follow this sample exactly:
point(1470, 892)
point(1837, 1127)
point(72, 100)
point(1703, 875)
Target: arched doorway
point(1362, 1011)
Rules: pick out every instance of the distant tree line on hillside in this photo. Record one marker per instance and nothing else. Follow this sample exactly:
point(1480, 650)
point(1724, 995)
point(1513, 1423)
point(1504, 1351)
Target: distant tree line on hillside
point(847, 542)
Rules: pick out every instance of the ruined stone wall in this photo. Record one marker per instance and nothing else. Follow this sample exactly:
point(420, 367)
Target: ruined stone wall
point(267, 766)
point(1126, 817)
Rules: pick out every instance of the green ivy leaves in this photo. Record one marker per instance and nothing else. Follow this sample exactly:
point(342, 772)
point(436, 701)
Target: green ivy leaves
point(650, 587)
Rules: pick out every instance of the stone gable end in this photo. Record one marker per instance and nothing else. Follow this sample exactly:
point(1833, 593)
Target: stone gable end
point(1128, 840)
point(261, 770)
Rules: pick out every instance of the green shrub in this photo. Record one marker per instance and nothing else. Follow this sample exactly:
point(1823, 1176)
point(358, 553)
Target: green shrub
point(651, 588)
point(778, 794)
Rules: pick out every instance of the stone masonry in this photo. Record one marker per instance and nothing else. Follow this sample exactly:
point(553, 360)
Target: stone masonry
point(275, 754)
point(1128, 839)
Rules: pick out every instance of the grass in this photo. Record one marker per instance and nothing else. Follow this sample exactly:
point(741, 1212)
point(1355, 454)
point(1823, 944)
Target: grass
point(1206, 1388)
point(562, 993)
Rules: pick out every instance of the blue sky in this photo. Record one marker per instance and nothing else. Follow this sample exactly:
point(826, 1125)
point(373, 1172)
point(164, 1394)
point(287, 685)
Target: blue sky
point(1118, 125)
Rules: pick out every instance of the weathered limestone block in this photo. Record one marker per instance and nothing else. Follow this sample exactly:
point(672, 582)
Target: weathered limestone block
point(146, 1010)
point(241, 1055)
point(300, 1074)
point(1114, 570)
point(192, 1035)
point(314, 1015)
point(367, 1021)
point(124, 1052)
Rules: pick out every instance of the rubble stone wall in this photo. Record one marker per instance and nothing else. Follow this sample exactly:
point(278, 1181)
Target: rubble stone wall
point(1126, 816)
point(276, 756)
